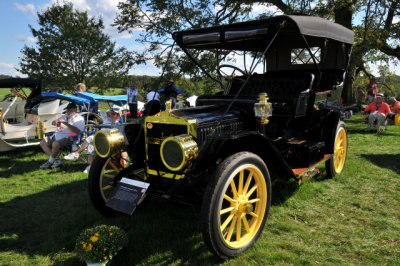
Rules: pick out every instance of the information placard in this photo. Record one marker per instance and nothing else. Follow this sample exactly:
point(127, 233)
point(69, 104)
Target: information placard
point(126, 195)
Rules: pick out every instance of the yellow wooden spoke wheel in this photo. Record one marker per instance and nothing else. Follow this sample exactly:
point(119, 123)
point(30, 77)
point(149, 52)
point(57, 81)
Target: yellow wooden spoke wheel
point(236, 204)
point(335, 165)
point(100, 183)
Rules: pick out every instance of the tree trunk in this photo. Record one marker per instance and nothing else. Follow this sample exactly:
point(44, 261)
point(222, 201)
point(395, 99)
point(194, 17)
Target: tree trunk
point(343, 15)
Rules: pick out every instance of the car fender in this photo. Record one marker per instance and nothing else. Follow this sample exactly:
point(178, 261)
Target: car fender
point(219, 146)
point(330, 130)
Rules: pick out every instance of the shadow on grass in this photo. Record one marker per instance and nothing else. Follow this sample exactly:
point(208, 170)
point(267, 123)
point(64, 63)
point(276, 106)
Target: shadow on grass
point(15, 163)
point(282, 192)
point(47, 224)
point(389, 161)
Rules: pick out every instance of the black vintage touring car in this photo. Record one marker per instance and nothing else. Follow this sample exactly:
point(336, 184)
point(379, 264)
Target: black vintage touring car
point(271, 126)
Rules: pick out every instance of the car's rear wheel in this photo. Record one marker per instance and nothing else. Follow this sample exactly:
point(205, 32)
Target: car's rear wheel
point(236, 204)
point(101, 175)
point(334, 166)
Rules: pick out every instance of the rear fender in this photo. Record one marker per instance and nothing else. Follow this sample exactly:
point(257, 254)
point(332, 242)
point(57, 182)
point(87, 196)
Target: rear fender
point(330, 130)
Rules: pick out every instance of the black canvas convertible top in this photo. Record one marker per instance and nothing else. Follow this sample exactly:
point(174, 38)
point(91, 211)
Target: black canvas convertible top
point(20, 83)
point(254, 35)
point(16, 83)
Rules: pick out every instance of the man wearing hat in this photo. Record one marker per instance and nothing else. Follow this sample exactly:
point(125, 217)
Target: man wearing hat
point(70, 122)
point(113, 117)
point(171, 92)
point(378, 111)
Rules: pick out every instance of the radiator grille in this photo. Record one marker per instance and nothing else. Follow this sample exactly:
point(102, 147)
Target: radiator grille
point(203, 132)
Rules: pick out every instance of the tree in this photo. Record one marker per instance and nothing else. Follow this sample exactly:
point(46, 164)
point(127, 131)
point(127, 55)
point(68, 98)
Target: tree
point(376, 26)
point(159, 19)
point(72, 48)
point(374, 22)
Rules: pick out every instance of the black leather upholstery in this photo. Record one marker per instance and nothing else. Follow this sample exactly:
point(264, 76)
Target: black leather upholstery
point(284, 88)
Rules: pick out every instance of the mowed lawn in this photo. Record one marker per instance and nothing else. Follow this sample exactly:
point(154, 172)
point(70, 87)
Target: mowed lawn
point(351, 219)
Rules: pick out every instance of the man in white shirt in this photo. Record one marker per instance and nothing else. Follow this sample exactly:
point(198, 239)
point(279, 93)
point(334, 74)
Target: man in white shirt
point(69, 123)
point(152, 95)
point(153, 102)
point(132, 94)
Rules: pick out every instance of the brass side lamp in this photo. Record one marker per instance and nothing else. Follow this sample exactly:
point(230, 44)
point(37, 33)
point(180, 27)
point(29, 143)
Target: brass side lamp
point(263, 108)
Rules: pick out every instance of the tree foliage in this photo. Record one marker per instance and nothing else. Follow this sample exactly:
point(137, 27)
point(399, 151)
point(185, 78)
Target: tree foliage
point(72, 48)
point(157, 20)
point(375, 23)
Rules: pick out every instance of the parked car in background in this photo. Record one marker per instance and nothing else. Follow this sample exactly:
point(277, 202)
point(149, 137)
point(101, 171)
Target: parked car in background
point(274, 126)
point(24, 114)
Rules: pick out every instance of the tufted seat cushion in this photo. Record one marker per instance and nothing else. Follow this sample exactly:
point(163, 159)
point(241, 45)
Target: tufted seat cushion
point(287, 90)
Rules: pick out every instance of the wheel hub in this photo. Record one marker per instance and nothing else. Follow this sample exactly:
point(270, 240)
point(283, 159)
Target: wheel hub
point(242, 205)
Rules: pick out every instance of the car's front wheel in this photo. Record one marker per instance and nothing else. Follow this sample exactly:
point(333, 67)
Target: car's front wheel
point(236, 204)
point(101, 175)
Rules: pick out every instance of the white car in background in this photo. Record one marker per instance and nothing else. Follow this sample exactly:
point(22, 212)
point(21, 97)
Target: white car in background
point(24, 114)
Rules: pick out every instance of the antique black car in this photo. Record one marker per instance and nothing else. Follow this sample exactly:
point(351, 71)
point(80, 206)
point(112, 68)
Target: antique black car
point(273, 126)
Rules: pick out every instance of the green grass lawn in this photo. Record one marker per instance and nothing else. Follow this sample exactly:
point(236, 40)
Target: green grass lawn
point(351, 219)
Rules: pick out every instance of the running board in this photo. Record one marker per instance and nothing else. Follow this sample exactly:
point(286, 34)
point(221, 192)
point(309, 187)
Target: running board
point(305, 174)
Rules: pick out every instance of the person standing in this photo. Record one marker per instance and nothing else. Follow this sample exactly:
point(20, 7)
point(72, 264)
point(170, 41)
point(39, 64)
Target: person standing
point(372, 90)
point(171, 92)
point(93, 106)
point(153, 102)
point(132, 94)
point(378, 111)
point(152, 95)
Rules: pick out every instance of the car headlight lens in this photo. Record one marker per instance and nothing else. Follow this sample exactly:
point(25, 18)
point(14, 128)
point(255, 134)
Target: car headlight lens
point(108, 142)
point(177, 151)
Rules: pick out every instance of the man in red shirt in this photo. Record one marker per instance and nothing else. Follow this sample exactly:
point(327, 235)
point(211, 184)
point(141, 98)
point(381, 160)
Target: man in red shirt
point(372, 90)
point(378, 111)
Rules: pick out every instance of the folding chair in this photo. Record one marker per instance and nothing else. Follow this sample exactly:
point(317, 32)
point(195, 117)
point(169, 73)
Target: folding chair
point(77, 140)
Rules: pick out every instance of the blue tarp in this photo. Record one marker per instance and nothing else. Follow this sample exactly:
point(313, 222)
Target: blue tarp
point(117, 99)
point(71, 98)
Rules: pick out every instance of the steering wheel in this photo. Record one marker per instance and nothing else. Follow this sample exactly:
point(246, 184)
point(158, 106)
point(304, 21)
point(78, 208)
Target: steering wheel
point(7, 97)
point(232, 75)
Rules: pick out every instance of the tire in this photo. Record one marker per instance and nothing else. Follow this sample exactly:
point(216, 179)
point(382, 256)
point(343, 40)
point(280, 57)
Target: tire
point(222, 234)
point(101, 174)
point(334, 166)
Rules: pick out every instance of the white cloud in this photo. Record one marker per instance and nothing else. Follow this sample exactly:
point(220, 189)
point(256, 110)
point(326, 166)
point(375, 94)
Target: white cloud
point(393, 67)
point(138, 47)
point(26, 8)
point(149, 70)
point(8, 69)
point(106, 9)
point(258, 9)
point(26, 39)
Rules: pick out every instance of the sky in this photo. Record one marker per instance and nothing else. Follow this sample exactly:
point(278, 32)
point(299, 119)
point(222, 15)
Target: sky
point(15, 16)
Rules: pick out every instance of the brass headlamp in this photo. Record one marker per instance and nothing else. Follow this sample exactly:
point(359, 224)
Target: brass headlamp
point(263, 108)
point(107, 142)
point(177, 151)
